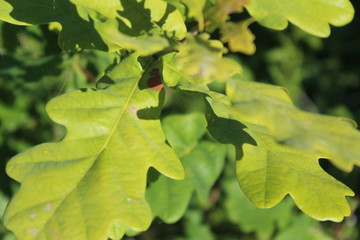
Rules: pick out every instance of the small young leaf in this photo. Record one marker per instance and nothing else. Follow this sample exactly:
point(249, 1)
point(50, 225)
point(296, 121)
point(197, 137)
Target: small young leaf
point(239, 37)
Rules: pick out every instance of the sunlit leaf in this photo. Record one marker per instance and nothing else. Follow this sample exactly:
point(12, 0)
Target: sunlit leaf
point(270, 106)
point(267, 171)
point(313, 16)
point(80, 186)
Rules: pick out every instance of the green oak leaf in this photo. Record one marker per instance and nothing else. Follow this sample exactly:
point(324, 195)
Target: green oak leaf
point(93, 181)
point(313, 16)
point(334, 138)
point(270, 171)
point(267, 171)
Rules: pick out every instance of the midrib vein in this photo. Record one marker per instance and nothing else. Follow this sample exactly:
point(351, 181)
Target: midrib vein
point(123, 109)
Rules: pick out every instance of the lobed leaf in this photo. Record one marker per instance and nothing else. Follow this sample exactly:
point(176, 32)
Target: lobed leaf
point(95, 177)
point(313, 16)
point(267, 171)
point(271, 107)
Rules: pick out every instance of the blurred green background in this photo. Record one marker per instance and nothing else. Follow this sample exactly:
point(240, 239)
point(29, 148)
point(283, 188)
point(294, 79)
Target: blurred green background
point(321, 75)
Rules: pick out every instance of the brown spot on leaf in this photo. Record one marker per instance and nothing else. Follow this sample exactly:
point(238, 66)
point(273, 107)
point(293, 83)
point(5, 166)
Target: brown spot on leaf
point(154, 81)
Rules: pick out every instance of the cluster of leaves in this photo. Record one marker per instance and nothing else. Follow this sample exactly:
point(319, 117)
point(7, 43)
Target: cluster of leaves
point(129, 155)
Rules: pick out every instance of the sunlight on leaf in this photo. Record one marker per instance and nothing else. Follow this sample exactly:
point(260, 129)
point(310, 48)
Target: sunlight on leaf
point(270, 106)
point(78, 187)
point(268, 171)
point(313, 16)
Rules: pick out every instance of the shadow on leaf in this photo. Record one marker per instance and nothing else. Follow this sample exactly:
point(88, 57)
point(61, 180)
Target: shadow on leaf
point(228, 131)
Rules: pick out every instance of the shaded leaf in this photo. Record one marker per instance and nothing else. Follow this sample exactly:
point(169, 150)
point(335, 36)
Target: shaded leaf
point(252, 219)
point(303, 227)
point(169, 198)
point(196, 228)
point(184, 131)
point(312, 16)
point(203, 163)
point(79, 187)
